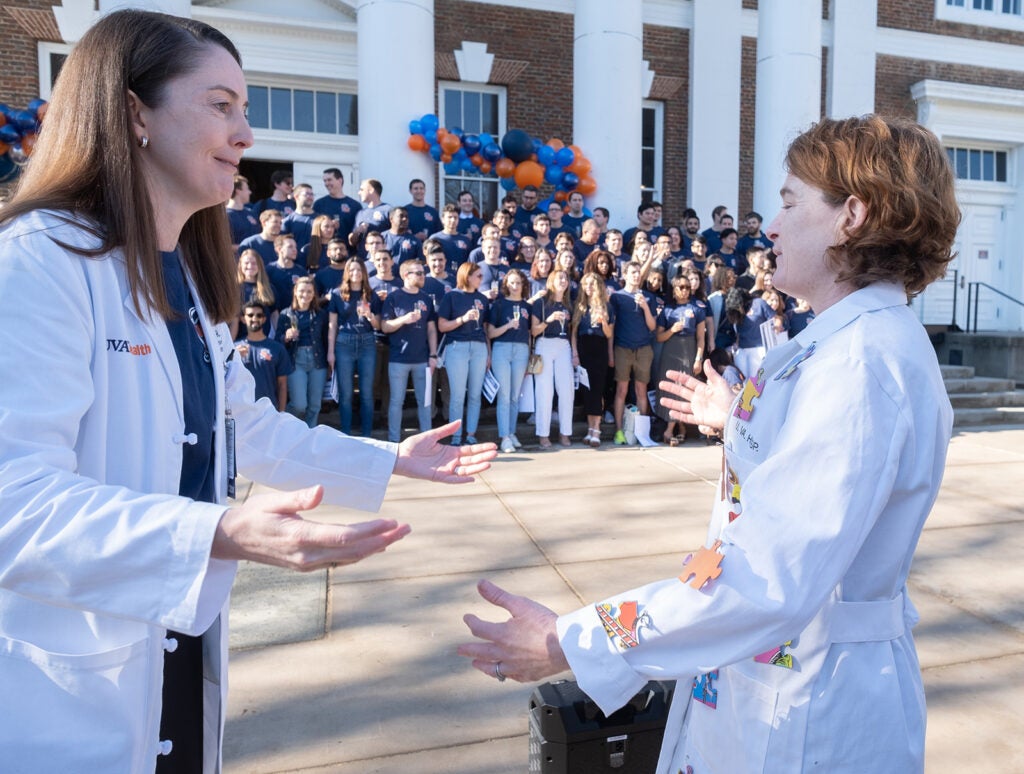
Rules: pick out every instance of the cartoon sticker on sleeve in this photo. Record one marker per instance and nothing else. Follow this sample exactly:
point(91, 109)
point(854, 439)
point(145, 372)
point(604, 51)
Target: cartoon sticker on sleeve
point(777, 656)
point(752, 388)
point(702, 567)
point(734, 489)
point(704, 689)
point(623, 622)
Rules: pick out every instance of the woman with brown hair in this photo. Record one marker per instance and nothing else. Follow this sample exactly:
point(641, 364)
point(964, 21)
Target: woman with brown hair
point(353, 316)
point(550, 316)
point(314, 255)
point(130, 412)
point(593, 329)
point(255, 286)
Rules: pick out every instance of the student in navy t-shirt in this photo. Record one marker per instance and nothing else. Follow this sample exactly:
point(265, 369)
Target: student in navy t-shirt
point(341, 208)
point(552, 317)
point(284, 272)
point(263, 242)
point(509, 331)
point(593, 322)
point(456, 246)
point(424, 220)
point(634, 336)
point(267, 360)
point(462, 317)
point(681, 330)
point(408, 320)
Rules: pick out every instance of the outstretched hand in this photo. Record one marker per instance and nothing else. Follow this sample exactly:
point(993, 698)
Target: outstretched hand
point(705, 404)
point(524, 648)
point(267, 529)
point(424, 456)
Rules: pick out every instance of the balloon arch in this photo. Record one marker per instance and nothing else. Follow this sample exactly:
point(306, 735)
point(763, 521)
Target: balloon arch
point(18, 132)
point(517, 159)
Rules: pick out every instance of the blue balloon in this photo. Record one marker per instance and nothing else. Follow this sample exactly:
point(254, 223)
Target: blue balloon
point(35, 104)
point(415, 127)
point(9, 134)
point(25, 120)
point(460, 155)
point(8, 169)
point(553, 174)
point(508, 183)
point(485, 139)
point(543, 205)
point(517, 145)
point(536, 142)
point(546, 155)
point(452, 168)
point(570, 180)
point(471, 143)
point(565, 157)
point(431, 135)
point(5, 109)
point(429, 122)
point(467, 164)
point(491, 152)
point(435, 152)
point(457, 131)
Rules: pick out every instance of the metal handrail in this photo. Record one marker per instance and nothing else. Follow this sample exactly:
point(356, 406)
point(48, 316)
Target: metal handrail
point(974, 292)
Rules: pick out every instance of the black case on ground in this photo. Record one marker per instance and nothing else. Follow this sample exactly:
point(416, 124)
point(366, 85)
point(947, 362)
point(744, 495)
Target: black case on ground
point(570, 735)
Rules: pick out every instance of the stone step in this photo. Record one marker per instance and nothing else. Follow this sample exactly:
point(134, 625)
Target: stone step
point(956, 372)
point(976, 417)
point(987, 399)
point(978, 384)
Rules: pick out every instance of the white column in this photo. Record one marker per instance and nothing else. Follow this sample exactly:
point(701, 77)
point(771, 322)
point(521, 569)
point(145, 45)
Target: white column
point(714, 141)
point(181, 8)
point(788, 89)
point(607, 98)
point(395, 53)
point(851, 58)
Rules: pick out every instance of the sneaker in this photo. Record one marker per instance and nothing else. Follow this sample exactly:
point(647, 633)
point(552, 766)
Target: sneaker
point(507, 446)
point(608, 418)
point(565, 440)
point(471, 439)
point(456, 440)
point(620, 438)
point(515, 441)
point(545, 442)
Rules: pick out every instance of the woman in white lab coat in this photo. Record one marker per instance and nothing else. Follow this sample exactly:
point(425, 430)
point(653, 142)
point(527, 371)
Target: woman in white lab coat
point(124, 416)
point(788, 633)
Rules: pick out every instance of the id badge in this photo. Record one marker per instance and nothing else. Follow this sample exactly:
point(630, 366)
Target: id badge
point(229, 445)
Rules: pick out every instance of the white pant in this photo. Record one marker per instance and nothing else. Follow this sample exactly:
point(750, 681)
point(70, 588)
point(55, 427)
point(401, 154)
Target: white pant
point(556, 377)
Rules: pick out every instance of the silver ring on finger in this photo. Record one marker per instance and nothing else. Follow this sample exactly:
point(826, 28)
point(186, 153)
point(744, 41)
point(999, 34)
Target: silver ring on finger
point(498, 673)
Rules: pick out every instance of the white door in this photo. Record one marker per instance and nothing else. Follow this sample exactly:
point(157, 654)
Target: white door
point(982, 256)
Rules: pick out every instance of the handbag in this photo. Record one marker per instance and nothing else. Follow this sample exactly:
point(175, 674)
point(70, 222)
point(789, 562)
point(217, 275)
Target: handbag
point(535, 364)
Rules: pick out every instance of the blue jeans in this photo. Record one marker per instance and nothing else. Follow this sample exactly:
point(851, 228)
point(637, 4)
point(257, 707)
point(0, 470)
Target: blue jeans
point(398, 379)
point(508, 362)
point(466, 364)
point(352, 352)
point(306, 387)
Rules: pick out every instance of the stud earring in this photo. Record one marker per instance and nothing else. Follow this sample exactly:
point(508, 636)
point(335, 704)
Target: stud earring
point(144, 142)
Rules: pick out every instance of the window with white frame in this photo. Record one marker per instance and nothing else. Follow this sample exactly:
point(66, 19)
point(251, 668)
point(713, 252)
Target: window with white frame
point(475, 108)
point(320, 111)
point(980, 164)
point(1007, 14)
point(651, 150)
point(51, 59)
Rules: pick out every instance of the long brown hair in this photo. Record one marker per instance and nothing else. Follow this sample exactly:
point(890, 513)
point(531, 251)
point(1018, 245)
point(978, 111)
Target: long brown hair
point(345, 287)
point(317, 243)
point(86, 166)
point(264, 294)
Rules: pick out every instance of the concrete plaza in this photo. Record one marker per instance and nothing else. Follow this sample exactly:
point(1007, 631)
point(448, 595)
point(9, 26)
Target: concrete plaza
point(354, 671)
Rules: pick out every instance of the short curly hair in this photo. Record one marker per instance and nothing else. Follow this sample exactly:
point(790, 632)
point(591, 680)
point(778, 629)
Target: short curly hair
point(901, 172)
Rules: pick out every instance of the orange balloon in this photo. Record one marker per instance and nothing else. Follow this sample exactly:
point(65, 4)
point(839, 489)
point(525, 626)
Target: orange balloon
point(580, 166)
point(485, 167)
point(3, 121)
point(441, 133)
point(505, 167)
point(555, 143)
point(451, 144)
point(529, 173)
point(477, 159)
point(576, 151)
point(445, 158)
point(587, 185)
point(4, 147)
point(561, 196)
point(41, 112)
point(418, 142)
point(28, 143)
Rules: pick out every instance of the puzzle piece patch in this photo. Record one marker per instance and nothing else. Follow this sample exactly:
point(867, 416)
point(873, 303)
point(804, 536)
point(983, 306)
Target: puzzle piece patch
point(752, 388)
point(704, 689)
point(777, 656)
point(702, 566)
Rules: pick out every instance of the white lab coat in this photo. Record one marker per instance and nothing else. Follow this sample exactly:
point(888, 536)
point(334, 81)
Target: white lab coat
point(98, 554)
point(829, 480)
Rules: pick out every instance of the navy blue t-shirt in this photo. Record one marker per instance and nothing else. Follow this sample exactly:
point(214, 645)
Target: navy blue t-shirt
point(749, 329)
point(267, 360)
point(456, 304)
point(689, 313)
point(284, 281)
point(403, 247)
point(243, 224)
point(300, 226)
point(436, 288)
point(631, 329)
point(456, 249)
point(200, 399)
point(589, 328)
point(470, 228)
point(425, 218)
point(409, 343)
point(542, 309)
point(265, 247)
point(502, 311)
point(491, 273)
point(343, 211)
point(349, 319)
point(327, 279)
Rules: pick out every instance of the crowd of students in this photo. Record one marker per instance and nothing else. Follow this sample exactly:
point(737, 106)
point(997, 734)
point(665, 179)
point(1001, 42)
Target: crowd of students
point(344, 289)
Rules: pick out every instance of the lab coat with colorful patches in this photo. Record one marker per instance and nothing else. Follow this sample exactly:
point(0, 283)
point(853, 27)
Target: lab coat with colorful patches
point(798, 656)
